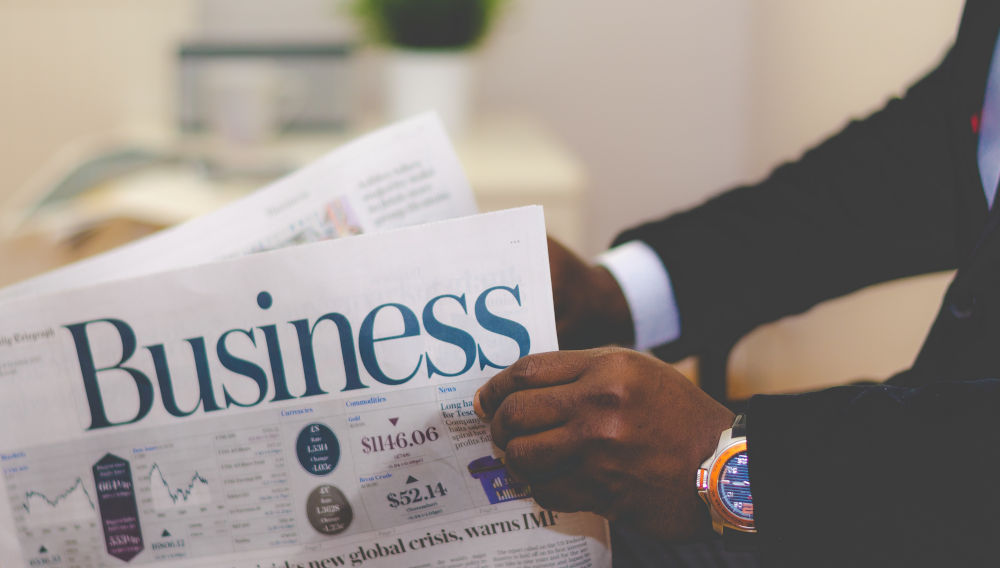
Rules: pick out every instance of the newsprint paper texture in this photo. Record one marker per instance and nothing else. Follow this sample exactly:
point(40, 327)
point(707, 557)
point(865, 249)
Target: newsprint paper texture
point(304, 407)
point(401, 175)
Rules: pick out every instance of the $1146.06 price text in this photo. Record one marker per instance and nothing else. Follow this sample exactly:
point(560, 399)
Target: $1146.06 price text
point(399, 440)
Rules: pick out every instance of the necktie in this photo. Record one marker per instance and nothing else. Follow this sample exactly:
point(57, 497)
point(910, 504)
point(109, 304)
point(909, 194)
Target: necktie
point(988, 152)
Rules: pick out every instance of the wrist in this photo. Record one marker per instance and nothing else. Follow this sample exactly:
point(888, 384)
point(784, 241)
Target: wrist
point(719, 423)
point(591, 311)
point(648, 292)
point(610, 307)
point(723, 483)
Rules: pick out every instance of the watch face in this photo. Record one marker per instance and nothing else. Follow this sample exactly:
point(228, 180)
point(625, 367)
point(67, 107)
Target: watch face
point(734, 486)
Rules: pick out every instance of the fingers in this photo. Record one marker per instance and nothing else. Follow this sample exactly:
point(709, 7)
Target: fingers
point(543, 457)
point(530, 411)
point(551, 463)
point(558, 253)
point(531, 372)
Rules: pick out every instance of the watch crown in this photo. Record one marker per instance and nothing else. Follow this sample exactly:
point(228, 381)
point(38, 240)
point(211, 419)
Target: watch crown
point(702, 481)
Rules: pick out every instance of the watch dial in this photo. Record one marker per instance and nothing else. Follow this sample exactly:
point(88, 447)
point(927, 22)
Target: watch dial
point(734, 486)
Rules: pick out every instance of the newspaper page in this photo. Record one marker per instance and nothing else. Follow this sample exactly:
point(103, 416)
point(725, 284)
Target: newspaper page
point(402, 175)
point(305, 407)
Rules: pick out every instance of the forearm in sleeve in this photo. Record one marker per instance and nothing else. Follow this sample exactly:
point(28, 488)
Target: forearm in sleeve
point(876, 202)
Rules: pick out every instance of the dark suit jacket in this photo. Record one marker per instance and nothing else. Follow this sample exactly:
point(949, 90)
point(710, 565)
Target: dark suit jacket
point(879, 475)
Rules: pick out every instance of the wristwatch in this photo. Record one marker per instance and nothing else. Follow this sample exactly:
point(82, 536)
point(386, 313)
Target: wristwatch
point(724, 484)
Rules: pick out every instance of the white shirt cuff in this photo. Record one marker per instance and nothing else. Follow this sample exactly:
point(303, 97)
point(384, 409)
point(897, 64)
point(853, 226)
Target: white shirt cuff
point(650, 295)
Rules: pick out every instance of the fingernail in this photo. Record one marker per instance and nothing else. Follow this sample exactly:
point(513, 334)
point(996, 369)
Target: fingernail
point(477, 406)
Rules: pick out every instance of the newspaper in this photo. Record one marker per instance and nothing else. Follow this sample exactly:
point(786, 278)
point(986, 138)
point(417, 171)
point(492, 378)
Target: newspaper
point(306, 407)
point(402, 175)
point(157, 420)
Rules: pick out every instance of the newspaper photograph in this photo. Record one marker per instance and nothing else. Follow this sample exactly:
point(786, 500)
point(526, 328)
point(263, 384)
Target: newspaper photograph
point(303, 407)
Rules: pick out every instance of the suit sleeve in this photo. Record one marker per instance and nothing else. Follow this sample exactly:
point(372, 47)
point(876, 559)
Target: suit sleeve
point(875, 202)
point(878, 475)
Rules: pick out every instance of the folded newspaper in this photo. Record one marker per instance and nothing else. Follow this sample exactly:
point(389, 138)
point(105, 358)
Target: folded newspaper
point(303, 407)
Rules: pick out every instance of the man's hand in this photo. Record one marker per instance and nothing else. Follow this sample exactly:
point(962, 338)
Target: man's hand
point(590, 308)
point(609, 430)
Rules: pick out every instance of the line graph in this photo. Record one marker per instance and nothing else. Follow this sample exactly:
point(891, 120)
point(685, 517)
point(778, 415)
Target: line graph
point(193, 492)
point(74, 503)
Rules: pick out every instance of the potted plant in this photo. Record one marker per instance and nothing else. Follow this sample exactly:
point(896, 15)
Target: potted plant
point(430, 62)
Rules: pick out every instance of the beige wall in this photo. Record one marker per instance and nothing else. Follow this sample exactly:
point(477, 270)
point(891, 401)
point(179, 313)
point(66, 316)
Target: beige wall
point(652, 94)
point(71, 69)
point(666, 101)
point(815, 64)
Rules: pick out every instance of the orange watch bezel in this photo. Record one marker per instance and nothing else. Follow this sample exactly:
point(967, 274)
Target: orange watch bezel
point(729, 518)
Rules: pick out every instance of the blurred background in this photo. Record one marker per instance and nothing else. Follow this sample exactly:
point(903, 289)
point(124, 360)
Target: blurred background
point(607, 113)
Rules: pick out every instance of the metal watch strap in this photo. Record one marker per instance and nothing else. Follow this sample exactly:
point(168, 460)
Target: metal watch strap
point(734, 540)
point(740, 426)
